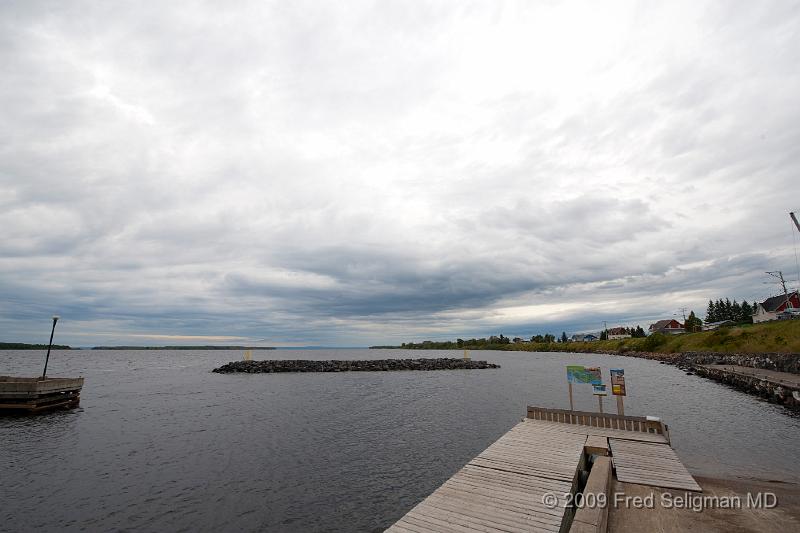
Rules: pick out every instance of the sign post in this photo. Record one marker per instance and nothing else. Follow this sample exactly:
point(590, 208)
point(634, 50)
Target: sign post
point(618, 388)
point(599, 391)
point(571, 406)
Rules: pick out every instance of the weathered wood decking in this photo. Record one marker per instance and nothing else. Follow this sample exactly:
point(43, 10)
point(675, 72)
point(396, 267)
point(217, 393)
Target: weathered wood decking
point(503, 488)
point(647, 463)
point(35, 394)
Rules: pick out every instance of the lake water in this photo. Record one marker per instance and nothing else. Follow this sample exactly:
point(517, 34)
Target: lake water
point(160, 443)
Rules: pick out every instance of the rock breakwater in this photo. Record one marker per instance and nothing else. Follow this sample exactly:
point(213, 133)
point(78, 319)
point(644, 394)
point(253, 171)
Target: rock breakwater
point(374, 365)
point(779, 362)
point(698, 363)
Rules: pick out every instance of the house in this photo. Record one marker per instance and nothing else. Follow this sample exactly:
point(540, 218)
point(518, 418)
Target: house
point(708, 326)
point(588, 337)
point(618, 333)
point(667, 327)
point(771, 307)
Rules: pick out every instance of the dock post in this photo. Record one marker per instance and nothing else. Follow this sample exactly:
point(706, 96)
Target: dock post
point(571, 407)
point(49, 346)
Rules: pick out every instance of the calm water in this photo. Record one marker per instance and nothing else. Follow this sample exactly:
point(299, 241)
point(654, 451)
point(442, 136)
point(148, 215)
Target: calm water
point(162, 444)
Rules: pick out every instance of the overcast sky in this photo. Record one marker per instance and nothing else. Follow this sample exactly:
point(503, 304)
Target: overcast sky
point(352, 173)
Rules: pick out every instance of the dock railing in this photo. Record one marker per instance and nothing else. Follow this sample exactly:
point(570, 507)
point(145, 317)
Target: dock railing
point(600, 420)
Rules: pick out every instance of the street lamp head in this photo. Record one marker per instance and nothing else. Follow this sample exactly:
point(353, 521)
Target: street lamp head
point(55, 318)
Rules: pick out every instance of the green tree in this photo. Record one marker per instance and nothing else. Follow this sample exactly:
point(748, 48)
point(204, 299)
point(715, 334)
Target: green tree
point(711, 312)
point(719, 310)
point(736, 311)
point(693, 323)
point(563, 336)
point(747, 313)
point(604, 335)
point(549, 338)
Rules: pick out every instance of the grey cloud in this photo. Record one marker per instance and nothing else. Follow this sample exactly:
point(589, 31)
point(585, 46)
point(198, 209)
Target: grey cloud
point(320, 173)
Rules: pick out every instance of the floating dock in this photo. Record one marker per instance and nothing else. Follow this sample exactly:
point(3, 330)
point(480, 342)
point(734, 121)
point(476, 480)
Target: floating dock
point(529, 478)
point(35, 395)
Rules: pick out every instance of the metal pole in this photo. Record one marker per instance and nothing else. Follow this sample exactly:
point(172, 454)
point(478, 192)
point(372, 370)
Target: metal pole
point(49, 346)
point(600, 401)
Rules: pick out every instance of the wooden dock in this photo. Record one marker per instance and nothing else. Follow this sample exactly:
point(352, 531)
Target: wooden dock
point(34, 395)
point(548, 455)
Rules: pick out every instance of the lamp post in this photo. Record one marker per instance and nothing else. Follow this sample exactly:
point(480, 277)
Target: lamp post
point(49, 346)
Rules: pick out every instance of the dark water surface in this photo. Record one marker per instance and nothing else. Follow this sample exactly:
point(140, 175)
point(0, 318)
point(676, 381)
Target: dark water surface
point(162, 444)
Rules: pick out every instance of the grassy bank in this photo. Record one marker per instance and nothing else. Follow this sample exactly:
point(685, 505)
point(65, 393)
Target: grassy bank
point(779, 336)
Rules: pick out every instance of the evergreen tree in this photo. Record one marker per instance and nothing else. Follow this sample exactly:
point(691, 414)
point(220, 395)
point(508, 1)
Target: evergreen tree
point(604, 335)
point(719, 310)
point(728, 310)
point(563, 336)
point(640, 332)
point(711, 312)
point(747, 313)
point(736, 311)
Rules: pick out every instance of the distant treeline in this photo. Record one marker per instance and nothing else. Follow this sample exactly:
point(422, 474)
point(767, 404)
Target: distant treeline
point(183, 348)
point(491, 343)
point(24, 346)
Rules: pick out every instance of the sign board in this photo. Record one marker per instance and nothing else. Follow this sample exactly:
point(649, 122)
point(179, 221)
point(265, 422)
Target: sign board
point(599, 390)
point(581, 374)
point(617, 382)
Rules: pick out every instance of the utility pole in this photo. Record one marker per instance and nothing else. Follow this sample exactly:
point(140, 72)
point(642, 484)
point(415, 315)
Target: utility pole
point(683, 310)
point(794, 219)
point(779, 275)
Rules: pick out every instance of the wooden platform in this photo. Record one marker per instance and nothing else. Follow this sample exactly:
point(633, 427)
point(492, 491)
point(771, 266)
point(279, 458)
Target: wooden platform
point(648, 463)
point(35, 394)
point(502, 489)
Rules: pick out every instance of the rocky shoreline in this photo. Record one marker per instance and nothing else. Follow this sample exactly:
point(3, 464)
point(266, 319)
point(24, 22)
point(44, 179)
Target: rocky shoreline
point(374, 365)
point(779, 362)
point(695, 363)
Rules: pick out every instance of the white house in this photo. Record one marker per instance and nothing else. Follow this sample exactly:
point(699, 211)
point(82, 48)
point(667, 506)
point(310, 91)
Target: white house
point(771, 307)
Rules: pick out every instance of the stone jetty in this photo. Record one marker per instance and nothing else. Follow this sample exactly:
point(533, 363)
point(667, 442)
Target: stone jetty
point(772, 376)
point(373, 365)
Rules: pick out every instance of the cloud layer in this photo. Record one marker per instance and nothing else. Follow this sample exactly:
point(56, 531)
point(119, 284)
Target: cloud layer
point(309, 173)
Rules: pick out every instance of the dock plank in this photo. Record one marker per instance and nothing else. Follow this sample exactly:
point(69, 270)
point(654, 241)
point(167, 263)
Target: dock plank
point(501, 489)
point(647, 463)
